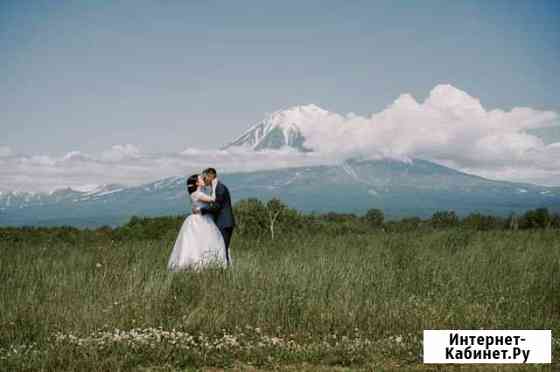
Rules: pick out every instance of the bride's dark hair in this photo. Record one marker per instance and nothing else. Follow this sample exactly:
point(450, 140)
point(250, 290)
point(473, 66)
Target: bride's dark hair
point(191, 183)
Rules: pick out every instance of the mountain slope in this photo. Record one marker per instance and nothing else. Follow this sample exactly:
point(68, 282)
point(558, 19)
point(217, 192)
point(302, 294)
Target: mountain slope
point(17, 199)
point(416, 188)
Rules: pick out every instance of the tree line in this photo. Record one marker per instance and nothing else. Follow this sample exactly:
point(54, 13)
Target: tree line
point(274, 219)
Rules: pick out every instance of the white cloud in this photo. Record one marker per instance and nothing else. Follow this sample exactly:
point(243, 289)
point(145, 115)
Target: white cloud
point(121, 152)
point(449, 127)
point(127, 165)
point(448, 118)
point(5, 151)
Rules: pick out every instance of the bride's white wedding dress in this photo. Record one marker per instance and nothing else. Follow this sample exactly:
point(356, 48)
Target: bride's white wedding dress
point(199, 243)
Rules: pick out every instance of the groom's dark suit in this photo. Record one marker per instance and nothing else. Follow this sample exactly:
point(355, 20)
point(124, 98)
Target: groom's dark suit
point(222, 213)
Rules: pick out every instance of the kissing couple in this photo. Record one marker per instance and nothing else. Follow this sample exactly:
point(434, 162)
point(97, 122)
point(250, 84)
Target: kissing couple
point(205, 234)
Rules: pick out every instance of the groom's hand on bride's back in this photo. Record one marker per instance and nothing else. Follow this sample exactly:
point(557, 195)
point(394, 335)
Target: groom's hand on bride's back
point(196, 210)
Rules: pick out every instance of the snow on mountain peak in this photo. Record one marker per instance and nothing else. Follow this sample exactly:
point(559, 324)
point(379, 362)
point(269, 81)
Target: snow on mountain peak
point(86, 189)
point(282, 128)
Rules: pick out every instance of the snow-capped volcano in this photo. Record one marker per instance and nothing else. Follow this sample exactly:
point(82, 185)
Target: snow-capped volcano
point(282, 128)
point(377, 165)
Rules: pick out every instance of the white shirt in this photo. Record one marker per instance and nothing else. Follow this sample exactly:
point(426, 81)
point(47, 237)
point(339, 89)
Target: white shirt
point(214, 184)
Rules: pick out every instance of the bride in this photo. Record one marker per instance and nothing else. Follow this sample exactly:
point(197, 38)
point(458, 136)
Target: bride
point(199, 242)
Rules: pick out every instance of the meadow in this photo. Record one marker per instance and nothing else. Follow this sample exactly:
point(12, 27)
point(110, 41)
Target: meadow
point(311, 299)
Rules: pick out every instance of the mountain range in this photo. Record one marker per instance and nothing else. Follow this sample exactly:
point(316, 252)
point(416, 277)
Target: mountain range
point(400, 188)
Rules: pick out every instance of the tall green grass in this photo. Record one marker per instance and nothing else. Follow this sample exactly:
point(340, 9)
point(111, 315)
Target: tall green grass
point(308, 288)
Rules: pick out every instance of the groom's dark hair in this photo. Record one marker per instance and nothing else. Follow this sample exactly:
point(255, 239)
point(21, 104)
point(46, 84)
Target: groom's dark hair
point(211, 171)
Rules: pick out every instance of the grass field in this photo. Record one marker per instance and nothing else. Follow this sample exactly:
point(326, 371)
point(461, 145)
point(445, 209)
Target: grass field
point(316, 302)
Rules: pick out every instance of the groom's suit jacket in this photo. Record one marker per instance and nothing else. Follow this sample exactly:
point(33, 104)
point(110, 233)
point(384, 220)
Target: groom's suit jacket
point(221, 209)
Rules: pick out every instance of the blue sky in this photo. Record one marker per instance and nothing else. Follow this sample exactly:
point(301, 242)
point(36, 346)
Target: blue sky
point(166, 75)
point(169, 75)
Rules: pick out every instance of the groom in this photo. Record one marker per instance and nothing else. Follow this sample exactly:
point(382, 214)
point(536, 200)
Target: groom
point(221, 208)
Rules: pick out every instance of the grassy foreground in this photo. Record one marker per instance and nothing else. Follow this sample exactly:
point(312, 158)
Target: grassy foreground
point(316, 302)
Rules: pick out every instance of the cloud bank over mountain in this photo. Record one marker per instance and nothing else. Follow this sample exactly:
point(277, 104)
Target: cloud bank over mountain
point(127, 165)
point(5, 151)
point(450, 127)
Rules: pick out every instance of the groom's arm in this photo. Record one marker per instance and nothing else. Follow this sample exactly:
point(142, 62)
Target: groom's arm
point(216, 205)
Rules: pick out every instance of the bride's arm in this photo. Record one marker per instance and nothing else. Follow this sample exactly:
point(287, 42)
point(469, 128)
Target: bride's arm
point(199, 195)
point(216, 205)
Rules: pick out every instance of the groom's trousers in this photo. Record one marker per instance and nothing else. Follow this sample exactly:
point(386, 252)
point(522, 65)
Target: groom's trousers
point(226, 233)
